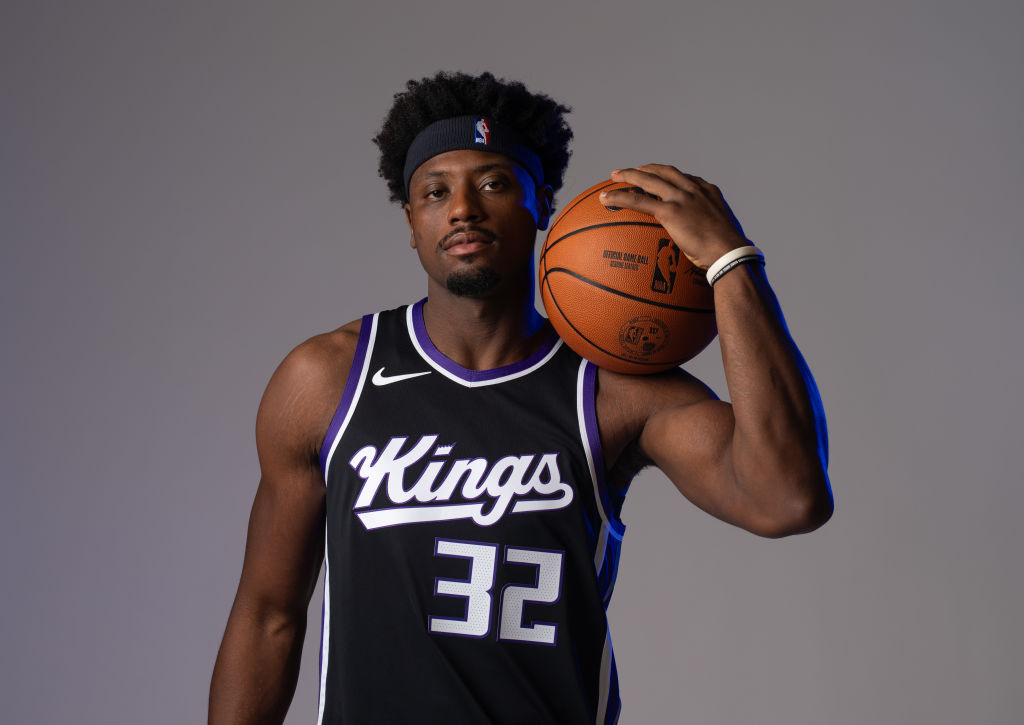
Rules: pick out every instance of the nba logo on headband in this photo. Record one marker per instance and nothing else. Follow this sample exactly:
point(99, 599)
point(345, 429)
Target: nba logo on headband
point(468, 133)
point(483, 132)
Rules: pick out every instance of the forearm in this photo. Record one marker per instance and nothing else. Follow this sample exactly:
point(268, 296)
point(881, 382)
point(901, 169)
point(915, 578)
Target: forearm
point(257, 668)
point(779, 445)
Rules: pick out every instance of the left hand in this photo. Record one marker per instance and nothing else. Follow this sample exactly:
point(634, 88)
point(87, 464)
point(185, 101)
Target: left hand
point(693, 212)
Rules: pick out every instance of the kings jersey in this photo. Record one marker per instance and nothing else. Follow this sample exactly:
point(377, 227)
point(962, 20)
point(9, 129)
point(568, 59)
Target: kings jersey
point(471, 541)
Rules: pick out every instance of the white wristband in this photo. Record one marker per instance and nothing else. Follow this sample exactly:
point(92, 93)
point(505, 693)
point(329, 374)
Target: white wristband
point(733, 259)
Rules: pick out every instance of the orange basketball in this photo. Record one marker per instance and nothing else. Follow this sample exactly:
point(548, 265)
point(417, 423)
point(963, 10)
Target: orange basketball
point(618, 291)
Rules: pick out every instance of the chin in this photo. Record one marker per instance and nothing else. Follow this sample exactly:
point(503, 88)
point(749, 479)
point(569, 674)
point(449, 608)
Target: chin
point(473, 283)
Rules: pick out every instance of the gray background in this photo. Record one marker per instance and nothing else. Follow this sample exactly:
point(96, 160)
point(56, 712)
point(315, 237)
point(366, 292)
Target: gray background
point(189, 190)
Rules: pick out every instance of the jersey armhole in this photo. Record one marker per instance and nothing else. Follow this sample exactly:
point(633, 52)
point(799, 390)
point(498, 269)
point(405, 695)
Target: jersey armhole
point(586, 402)
point(350, 396)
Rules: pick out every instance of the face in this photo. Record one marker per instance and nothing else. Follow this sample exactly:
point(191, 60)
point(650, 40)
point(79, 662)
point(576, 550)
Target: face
point(474, 217)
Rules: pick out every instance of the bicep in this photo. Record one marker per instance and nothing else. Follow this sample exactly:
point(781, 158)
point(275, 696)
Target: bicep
point(692, 444)
point(284, 545)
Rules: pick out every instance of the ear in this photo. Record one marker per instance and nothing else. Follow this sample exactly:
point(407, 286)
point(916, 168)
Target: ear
point(408, 220)
point(545, 198)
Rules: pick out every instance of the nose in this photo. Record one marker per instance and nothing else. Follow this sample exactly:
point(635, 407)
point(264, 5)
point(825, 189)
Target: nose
point(465, 205)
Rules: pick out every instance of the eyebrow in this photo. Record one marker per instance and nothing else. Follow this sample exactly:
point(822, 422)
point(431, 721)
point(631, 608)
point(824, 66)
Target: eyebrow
point(478, 170)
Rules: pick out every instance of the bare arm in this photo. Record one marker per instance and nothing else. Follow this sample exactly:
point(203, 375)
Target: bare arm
point(760, 462)
point(258, 663)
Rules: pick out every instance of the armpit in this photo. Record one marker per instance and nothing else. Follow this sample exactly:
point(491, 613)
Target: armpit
point(629, 463)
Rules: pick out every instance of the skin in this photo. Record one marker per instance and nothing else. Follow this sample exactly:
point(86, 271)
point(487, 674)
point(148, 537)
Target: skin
point(758, 463)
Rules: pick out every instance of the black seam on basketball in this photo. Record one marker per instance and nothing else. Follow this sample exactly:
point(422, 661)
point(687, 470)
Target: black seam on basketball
point(612, 290)
point(547, 247)
point(600, 226)
point(630, 360)
point(579, 201)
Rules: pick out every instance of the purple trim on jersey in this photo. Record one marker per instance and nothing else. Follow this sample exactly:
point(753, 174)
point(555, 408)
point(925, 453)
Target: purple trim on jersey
point(474, 376)
point(596, 451)
point(350, 391)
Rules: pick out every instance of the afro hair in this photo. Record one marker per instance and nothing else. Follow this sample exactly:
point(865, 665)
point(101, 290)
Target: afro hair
point(538, 118)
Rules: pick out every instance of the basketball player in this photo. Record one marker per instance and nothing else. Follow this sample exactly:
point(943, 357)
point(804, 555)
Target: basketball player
point(463, 470)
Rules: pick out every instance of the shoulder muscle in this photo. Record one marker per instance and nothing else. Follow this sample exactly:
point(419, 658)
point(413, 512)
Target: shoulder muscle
point(302, 396)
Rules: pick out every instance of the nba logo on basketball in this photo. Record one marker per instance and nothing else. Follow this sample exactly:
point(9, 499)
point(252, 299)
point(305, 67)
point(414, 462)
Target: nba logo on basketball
point(483, 132)
point(666, 264)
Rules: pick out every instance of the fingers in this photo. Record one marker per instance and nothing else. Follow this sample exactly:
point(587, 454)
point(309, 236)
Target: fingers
point(693, 211)
point(635, 198)
point(667, 184)
point(671, 175)
point(649, 181)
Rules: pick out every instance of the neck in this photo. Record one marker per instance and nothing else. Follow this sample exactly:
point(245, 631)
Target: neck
point(483, 333)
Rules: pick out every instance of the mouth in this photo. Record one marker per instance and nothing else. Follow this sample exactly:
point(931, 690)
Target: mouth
point(463, 242)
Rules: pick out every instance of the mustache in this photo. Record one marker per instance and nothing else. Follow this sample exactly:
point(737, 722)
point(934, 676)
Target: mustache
point(491, 236)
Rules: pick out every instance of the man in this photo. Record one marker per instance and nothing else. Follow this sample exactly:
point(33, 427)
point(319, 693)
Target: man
point(464, 470)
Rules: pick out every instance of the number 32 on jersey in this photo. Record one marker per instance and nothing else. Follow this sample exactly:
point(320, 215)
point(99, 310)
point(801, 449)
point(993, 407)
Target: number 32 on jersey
point(476, 590)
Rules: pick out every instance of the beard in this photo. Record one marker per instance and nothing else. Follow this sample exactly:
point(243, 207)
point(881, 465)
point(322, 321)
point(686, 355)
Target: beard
point(472, 282)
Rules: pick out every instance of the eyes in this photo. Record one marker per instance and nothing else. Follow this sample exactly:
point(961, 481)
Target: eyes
point(490, 185)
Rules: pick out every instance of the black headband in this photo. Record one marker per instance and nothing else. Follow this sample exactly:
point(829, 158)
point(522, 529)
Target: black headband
point(470, 132)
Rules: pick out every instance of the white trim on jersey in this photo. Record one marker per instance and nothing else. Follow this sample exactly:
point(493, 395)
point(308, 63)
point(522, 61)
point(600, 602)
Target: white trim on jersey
point(355, 397)
point(606, 527)
point(471, 383)
point(325, 635)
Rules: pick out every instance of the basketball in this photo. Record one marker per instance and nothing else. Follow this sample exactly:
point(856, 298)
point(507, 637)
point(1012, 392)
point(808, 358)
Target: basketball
point(618, 291)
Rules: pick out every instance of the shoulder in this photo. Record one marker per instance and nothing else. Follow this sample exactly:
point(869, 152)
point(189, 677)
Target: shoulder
point(305, 389)
point(625, 404)
point(322, 357)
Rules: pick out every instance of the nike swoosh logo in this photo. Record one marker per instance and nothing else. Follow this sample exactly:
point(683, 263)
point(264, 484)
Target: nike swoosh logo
point(380, 379)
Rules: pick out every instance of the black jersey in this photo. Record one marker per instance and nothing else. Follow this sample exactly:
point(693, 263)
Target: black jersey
point(471, 542)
